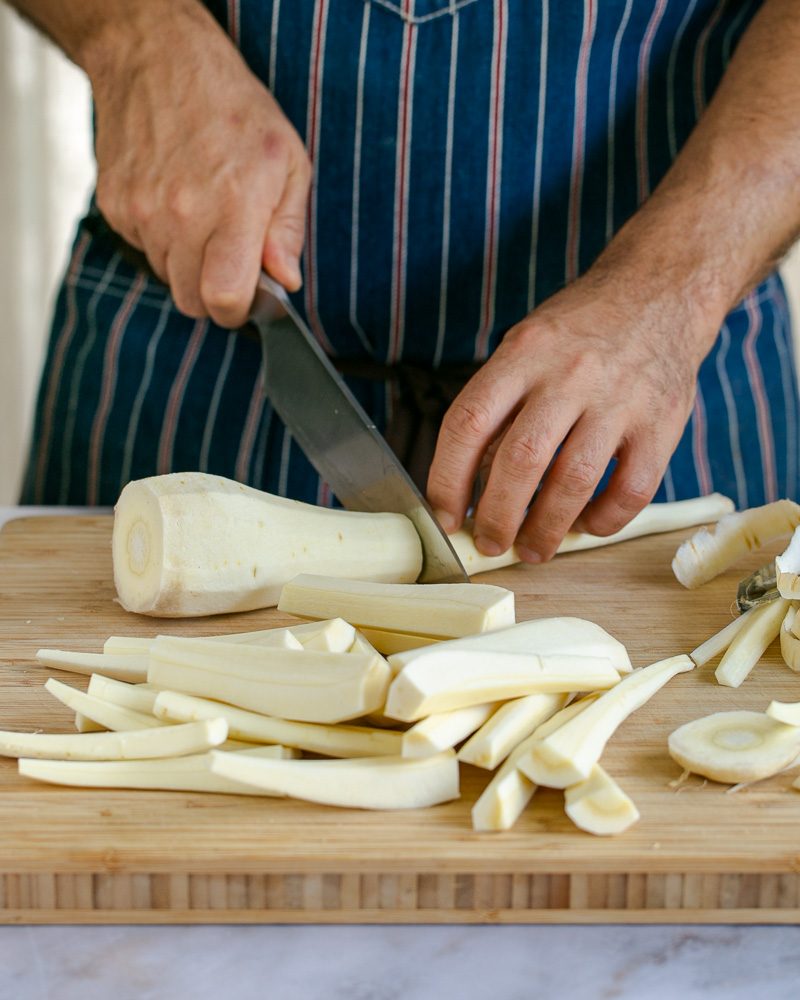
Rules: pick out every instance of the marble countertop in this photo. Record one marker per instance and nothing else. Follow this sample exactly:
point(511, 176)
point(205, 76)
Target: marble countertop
point(397, 963)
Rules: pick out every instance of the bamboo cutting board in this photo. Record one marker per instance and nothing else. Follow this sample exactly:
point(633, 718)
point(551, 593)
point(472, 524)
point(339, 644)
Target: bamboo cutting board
point(698, 854)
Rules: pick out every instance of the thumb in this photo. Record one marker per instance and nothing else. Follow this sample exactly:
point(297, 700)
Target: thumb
point(283, 243)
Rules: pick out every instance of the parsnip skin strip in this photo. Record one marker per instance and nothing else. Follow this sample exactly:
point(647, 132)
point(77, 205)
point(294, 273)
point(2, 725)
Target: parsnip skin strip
point(787, 712)
point(710, 552)
point(720, 641)
point(180, 774)
point(504, 798)
point(508, 727)
point(569, 754)
point(654, 519)
point(441, 732)
point(333, 741)
point(750, 644)
point(113, 717)
point(140, 744)
point(441, 610)
point(445, 680)
point(367, 783)
point(122, 668)
point(598, 805)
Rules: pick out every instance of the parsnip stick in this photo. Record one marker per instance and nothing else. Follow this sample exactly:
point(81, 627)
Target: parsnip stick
point(747, 648)
point(720, 641)
point(106, 714)
point(84, 725)
point(121, 668)
point(441, 732)
point(395, 642)
point(137, 697)
point(790, 644)
point(508, 727)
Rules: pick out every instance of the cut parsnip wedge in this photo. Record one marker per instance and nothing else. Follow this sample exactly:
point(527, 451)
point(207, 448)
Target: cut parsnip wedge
point(180, 774)
point(502, 801)
point(720, 641)
point(751, 642)
point(710, 552)
point(332, 741)
point(787, 569)
point(137, 697)
point(84, 725)
point(569, 754)
point(127, 645)
point(189, 544)
point(448, 679)
point(654, 519)
point(598, 805)
point(122, 668)
point(441, 610)
point(790, 644)
point(368, 783)
point(304, 685)
point(440, 732)
point(735, 746)
point(332, 636)
point(166, 741)
point(395, 642)
point(508, 727)
point(787, 712)
point(106, 714)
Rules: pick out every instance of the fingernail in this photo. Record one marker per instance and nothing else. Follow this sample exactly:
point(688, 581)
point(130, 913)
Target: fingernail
point(488, 546)
point(447, 521)
point(528, 555)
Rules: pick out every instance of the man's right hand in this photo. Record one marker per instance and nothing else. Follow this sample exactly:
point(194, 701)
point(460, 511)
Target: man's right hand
point(197, 165)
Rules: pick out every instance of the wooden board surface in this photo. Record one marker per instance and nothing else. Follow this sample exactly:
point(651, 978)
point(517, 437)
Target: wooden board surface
point(698, 854)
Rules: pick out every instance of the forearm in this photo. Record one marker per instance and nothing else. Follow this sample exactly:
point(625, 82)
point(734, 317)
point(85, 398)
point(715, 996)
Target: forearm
point(729, 207)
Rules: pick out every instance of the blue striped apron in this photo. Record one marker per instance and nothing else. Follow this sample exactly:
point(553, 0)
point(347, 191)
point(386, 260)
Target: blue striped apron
point(471, 158)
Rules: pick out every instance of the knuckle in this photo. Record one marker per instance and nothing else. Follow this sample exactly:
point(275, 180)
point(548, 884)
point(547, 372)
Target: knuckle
point(524, 456)
point(468, 419)
point(634, 493)
point(275, 145)
point(578, 478)
point(181, 203)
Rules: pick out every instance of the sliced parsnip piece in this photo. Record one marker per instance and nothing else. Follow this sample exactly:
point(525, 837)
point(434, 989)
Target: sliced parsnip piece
point(367, 783)
point(333, 741)
point(304, 685)
point(333, 636)
point(440, 732)
point(569, 754)
point(137, 697)
point(787, 569)
point(711, 551)
point(720, 641)
point(181, 774)
point(735, 746)
point(121, 668)
point(751, 642)
point(508, 727)
point(790, 644)
point(166, 741)
point(84, 725)
point(106, 714)
point(448, 679)
point(654, 519)
point(502, 801)
point(598, 805)
point(787, 712)
point(395, 642)
point(282, 638)
point(443, 610)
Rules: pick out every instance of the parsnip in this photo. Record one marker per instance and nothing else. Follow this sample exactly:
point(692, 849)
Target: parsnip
point(181, 774)
point(395, 642)
point(448, 679)
point(735, 746)
point(787, 569)
point(440, 732)
point(751, 642)
point(720, 641)
point(598, 805)
point(368, 783)
point(502, 801)
point(508, 727)
point(787, 712)
point(138, 697)
point(303, 685)
point(709, 552)
point(332, 741)
point(569, 754)
point(334, 636)
point(654, 519)
point(106, 714)
point(440, 610)
point(166, 741)
point(189, 544)
point(122, 668)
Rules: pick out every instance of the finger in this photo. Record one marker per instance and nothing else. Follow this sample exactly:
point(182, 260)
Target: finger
point(284, 240)
point(230, 269)
point(567, 488)
point(182, 264)
point(518, 467)
point(633, 484)
point(474, 419)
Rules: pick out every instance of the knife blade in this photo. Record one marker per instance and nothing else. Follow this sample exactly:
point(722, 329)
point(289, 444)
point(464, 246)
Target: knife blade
point(335, 432)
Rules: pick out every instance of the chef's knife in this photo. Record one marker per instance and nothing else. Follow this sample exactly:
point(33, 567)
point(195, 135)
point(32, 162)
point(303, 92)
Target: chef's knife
point(337, 436)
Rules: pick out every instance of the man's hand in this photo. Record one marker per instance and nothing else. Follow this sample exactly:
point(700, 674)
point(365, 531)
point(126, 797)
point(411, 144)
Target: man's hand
point(197, 165)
